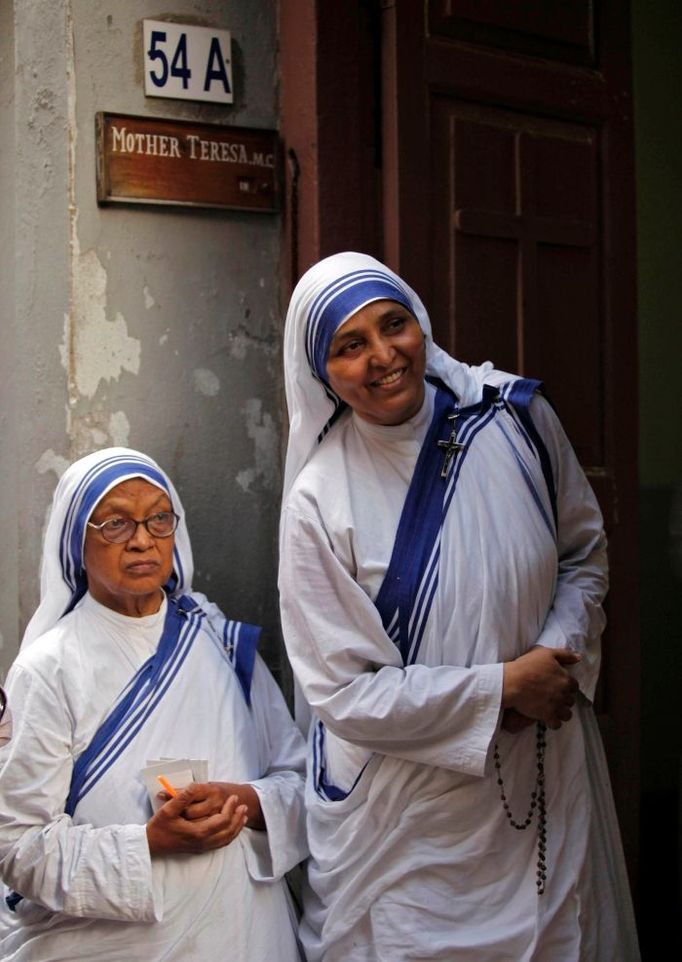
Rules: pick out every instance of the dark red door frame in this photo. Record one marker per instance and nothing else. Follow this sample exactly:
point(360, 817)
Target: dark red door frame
point(329, 86)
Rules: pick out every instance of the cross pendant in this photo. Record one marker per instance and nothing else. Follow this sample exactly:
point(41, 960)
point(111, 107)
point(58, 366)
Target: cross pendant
point(452, 446)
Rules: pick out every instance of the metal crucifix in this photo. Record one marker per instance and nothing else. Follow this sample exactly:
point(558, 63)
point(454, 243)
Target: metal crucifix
point(452, 446)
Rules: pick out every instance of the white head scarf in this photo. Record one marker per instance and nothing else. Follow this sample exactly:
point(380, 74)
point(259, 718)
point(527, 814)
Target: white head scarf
point(80, 489)
point(326, 296)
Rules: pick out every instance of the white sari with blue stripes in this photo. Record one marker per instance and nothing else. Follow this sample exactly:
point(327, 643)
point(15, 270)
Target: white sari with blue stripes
point(411, 853)
point(412, 856)
point(95, 697)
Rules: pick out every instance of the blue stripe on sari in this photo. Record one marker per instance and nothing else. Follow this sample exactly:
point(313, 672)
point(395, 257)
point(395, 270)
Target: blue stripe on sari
point(324, 788)
point(411, 579)
point(241, 643)
point(406, 595)
point(471, 421)
point(138, 701)
point(519, 395)
point(134, 724)
point(419, 525)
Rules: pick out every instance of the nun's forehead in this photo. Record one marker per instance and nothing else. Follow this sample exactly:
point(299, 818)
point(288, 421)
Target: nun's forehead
point(130, 487)
point(339, 300)
point(389, 306)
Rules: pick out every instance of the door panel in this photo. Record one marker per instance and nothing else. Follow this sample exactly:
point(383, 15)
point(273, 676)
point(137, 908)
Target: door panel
point(515, 217)
point(547, 27)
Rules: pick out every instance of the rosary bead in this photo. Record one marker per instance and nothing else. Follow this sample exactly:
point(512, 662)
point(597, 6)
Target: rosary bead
point(537, 801)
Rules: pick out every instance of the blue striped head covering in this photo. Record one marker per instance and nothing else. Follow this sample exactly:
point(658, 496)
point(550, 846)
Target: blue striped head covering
point(327, 295)
point(63, 580)
point(340, 300)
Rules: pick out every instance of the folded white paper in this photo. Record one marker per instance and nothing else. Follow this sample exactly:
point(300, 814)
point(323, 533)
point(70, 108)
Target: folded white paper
point(179, 772)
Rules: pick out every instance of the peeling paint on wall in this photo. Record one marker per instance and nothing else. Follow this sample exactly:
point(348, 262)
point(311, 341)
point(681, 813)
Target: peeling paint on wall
point(262, 430)
point(119, 429)
point(149, 301)
point(97, 428)
point(206, 382)
point(245, 479)
point(95, 349)
point(242, 338)
point(238, 344)
point(49, 461)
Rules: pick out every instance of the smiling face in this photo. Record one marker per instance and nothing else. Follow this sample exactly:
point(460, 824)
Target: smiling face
point(377, 362)
point(127, 577)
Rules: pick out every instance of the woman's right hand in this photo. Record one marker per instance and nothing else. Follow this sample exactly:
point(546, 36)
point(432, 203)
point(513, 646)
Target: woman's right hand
point(170, 832)
point(538, 686)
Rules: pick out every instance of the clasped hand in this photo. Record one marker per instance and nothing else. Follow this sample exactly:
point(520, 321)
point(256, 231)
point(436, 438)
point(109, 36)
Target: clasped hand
point(201, 817)
point(537, 686)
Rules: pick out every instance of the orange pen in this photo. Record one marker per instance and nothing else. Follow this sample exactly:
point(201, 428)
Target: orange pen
point(166, 785)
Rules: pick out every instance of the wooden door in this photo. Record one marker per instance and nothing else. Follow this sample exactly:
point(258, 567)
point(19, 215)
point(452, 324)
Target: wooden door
point(508, 204)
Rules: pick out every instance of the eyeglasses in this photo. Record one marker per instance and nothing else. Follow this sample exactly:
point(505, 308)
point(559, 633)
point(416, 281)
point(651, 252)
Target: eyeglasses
point(3, 703)
point(118, 530)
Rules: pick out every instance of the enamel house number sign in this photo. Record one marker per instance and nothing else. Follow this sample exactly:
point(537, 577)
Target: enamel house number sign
point(184, 62)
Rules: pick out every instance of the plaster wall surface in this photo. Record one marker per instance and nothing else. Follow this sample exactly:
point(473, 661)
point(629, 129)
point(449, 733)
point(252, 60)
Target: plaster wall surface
point(152, 327)
point(8, 570)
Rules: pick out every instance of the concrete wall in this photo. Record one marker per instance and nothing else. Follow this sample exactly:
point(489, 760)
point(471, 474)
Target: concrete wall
point(8, 526)
point(153, 327)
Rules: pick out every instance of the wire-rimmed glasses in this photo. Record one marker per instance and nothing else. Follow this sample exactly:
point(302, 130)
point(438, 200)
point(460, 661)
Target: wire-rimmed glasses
point(116, 530)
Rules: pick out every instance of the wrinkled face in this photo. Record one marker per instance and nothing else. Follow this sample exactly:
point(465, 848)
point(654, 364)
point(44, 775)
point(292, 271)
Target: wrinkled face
point(377, 362)
point(127, 577)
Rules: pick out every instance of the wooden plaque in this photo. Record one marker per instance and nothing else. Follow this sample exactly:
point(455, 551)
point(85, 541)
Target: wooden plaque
point(143, 160)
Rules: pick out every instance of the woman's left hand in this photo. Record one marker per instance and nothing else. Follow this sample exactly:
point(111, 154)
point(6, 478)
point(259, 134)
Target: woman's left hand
point(208, 798)
point(170, 831)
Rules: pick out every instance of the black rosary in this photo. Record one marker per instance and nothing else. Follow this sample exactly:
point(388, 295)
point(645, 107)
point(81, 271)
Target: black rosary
point(537, 803)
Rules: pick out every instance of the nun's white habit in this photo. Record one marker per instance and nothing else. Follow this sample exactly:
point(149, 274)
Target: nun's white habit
point(94, 695)
point(402, 593)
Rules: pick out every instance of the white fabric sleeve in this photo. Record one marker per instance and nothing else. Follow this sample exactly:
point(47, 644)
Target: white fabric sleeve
point(576, 619)
point(87, 872)
point(281, 788)
point(352, 675)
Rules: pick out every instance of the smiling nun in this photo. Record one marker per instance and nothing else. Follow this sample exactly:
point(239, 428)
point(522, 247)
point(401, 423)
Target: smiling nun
point(443, 565)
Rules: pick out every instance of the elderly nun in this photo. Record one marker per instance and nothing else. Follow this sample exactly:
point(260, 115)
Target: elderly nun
point(121, 665)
